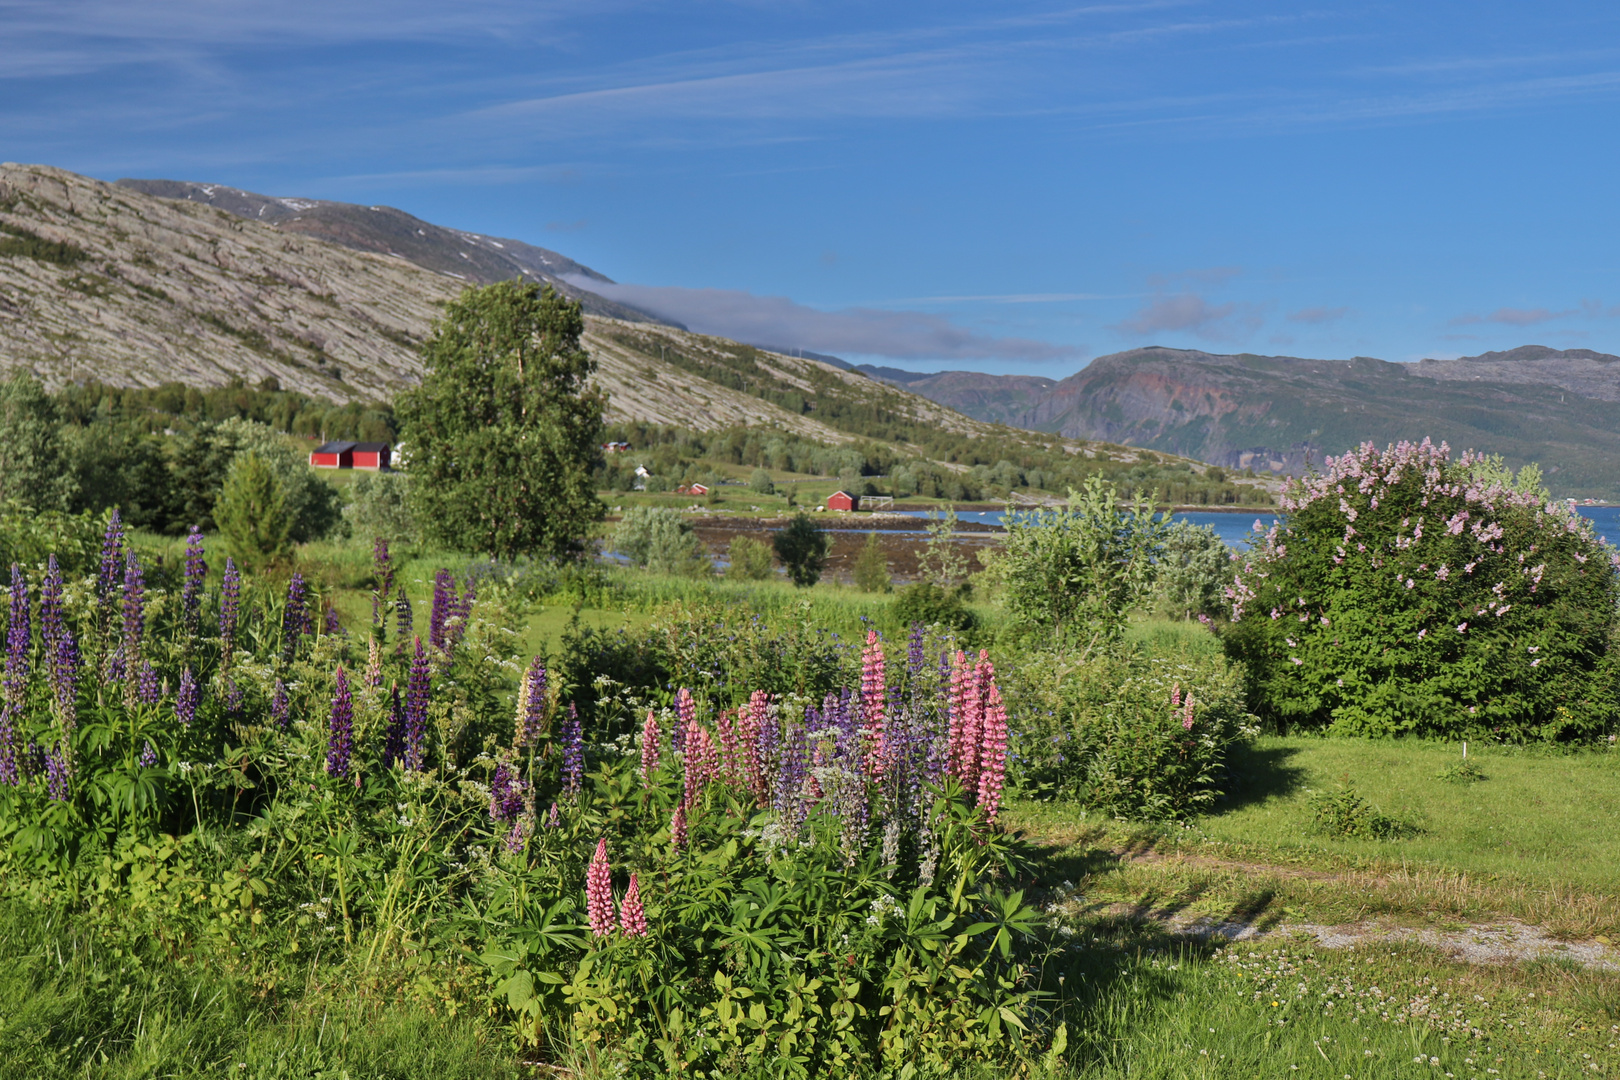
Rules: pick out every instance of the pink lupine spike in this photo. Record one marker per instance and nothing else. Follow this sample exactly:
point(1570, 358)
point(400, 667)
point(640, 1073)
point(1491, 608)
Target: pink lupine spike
point(993, 753)
point(1175, 696)
point(650, 739)
point(599, 892)
point(1187, 718)
point(874, 702)
point(677, 827)
point(961, 696)
point(632, 916)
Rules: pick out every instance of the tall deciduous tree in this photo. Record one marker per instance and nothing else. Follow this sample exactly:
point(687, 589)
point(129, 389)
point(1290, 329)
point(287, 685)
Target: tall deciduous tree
point(802, 548)
point(504, 429)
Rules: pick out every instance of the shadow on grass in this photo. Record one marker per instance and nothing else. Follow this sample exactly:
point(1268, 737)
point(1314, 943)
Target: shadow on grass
point(1256, 774)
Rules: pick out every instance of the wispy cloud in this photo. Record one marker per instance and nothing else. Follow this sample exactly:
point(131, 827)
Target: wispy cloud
point(1189, 312)
point(1012, 298)
point(1508, 316)
point(781, 322)
point(1317, 315)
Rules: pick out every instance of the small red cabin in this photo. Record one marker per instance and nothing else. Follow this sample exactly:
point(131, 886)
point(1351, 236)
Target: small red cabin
point(350, 455)
point(699, 489)
point(843, 500)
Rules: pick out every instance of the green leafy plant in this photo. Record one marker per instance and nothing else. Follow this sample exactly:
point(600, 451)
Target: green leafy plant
point(1075, 572)
point(1191, 572)
point(748, 560)
point(760, 483)
point(802, 548)
point(1461, 772)
point(1344, 813)
point(662, 540)
point(872, 568)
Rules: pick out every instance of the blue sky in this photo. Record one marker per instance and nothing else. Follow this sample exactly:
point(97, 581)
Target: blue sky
point(1014, 187)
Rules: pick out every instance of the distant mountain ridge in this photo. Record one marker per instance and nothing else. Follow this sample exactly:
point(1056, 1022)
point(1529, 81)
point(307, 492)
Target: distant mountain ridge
point(1281, 413)
point(470, 257)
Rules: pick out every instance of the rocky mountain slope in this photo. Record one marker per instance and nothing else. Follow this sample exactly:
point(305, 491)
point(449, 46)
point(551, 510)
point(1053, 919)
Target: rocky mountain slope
point(1000, 399)
point(1279, 412)
point(106, 282)
point(469, 257)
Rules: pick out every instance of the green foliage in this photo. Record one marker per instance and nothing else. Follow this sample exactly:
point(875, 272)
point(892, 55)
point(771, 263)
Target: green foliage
point(1343, 812)
point(28, 537)
point(662, 540)
point(312, 505)
point(1074, 573)
point(748, 560)
point(1111, 732)
point(927, 604)
point(33, 468)
point(942, 563)
point(149, 410)
point(802, 548)
point(872, 568)
point(253, 513)
point(760, 483)
point(1406, 596)
point(504, 430)
point(1461, 772)
point(1192, 572)
point(378, 506)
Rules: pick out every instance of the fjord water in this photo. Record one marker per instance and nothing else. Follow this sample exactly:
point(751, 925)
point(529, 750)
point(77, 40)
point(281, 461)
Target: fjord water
point(1234, 527)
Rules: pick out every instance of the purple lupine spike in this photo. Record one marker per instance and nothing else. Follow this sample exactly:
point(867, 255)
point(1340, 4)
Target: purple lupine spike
point(112, 558)
point(330, 624)
point(554, 818)
point(791, 774)
point(915, 660)
point(768, 743)
point(340, 728)
point(404, 617)
point(505, 794)
point(196, 576)
point(149, 756)
point(147, 689)
point(233, 696)
point(294, 617)
point(185, 699)
point(19, 643)
point(280, 705)
point(534, 715)
point(382, 567)
point(444, 600)
point(10, 756)
point(230, 609)
point(517, 837)
point(51, 624)
point(573, 752)
point(460, 613)
point(417, 689)
point(134, 610)
point(57, 770)
point(394, 740)
point(65, 679)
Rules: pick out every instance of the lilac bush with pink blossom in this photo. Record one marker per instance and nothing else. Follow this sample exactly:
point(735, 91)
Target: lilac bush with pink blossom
point(1410, 592)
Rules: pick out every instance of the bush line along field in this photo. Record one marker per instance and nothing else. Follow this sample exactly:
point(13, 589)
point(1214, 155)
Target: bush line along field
point(401, 781)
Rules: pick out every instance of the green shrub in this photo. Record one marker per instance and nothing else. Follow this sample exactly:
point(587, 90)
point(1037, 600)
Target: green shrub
point(802, 547)
point(1344, 814)
point(252, 513)
point(927, 604)
point(748, 560)
point(662, 540)
point(1409, 593)
point(313, 506)
point(760, 483)
point(1191, 573)
point(871, 568)
point(1461, 772)
point(377, 507)
point(1110, 731)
